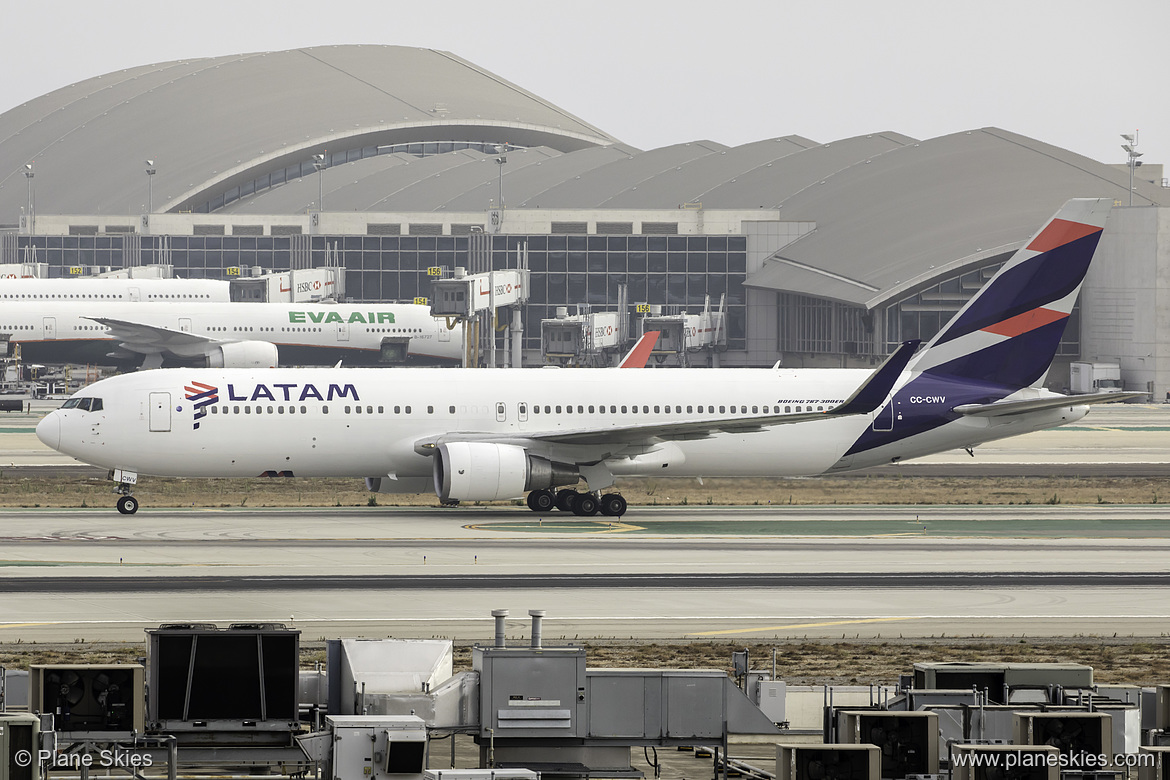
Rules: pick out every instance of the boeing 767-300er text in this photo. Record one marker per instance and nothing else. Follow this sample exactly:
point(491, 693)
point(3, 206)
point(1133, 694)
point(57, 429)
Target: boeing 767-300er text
point(487, 434)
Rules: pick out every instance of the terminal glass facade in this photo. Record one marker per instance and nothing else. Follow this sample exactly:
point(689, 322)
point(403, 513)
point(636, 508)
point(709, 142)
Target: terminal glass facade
point(672, 271)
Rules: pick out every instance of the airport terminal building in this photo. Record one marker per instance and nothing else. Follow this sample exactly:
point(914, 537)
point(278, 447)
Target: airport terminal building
point(387, 159)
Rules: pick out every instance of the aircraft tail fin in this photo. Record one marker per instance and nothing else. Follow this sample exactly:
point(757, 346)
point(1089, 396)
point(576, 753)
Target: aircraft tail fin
point(1008, 334)
point(640, 353)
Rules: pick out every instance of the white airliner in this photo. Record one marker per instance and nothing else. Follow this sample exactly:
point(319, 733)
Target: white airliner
point(89, 289)
point(485, 434)
point(227, 335)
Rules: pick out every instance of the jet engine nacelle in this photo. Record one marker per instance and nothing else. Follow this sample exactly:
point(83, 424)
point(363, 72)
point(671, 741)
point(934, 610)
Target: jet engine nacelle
point(483, 471)
point(243, 354)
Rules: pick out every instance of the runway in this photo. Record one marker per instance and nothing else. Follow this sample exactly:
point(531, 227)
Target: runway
point(664, 573)
point(658, 573)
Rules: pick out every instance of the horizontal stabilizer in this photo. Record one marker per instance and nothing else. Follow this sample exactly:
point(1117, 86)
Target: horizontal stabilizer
point(1003, 408)
point(874, 391)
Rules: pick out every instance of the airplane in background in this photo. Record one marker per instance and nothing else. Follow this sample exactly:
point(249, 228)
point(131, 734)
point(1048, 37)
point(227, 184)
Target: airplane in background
point(488, 434)
point(15, 290)
point(226, 335)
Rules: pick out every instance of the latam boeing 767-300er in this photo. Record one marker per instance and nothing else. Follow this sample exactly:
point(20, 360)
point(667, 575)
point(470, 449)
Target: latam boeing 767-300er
point(487, 434)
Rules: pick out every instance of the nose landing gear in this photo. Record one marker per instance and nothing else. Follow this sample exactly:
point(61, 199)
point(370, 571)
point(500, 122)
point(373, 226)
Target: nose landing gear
point(127, 503)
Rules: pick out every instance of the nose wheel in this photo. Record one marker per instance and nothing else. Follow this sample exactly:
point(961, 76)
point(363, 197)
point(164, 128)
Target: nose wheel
point(126, 480)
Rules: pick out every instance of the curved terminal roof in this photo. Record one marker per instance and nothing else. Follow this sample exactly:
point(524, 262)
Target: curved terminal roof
point(214, 124)
point(892, 225)
point(416, 130)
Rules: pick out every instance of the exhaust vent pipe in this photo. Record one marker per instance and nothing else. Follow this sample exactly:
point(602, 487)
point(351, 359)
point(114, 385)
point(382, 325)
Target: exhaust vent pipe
point(500, 615)
point(537, 622)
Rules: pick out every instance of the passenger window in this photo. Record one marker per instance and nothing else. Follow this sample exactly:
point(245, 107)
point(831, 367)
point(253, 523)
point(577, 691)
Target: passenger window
point(645, 409)
point(408, 410)
point(369, 410)
point(347, 410)
point(624, 410)
point(397, 410)
point(304, 410)
point(656, 408)
point(591, 409)
point(722, 410)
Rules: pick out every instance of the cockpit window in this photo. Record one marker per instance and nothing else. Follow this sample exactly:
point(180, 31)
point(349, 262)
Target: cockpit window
point(86, 404)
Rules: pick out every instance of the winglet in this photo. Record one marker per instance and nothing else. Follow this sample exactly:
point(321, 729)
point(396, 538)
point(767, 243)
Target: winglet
point(874, 390)
point(637, 357)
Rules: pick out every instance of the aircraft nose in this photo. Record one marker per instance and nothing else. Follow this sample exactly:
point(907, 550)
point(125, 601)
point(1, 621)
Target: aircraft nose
point(49, 430)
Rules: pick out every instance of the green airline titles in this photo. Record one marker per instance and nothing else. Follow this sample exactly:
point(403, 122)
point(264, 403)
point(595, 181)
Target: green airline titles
point(374, 318)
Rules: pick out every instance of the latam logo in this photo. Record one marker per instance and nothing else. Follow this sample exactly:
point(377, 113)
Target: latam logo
point(201, 396)
point(290, 392)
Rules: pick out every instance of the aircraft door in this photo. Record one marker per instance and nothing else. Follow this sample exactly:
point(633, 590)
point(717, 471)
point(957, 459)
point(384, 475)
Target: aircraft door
point(185, 324)
point(134, 293)
point(501, 411)
point(884, 419)
point(444, 332)
point(343, 331)
point(50, 324)
point(160, 412)
point(522, 412)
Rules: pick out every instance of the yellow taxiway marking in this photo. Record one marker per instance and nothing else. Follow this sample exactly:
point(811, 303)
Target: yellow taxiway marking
point(802, 625)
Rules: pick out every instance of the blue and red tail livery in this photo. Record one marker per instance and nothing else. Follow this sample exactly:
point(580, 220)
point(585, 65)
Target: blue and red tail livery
point(1006, 336)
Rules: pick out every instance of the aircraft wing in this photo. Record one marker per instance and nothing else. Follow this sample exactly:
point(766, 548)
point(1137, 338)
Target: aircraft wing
point(868, 397)
point(141, 338)
point(1005, 408)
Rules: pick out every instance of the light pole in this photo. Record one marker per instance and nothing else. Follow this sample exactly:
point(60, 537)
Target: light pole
point(150, 186)
point(500, 161)
point(1130, 147)
point(319, 164)
point(32, 219)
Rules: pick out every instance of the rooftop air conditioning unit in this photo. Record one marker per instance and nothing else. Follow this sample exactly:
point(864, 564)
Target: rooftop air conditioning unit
point(89, 698)
point(908, 740)
point(827, 762)
point(1000, 762)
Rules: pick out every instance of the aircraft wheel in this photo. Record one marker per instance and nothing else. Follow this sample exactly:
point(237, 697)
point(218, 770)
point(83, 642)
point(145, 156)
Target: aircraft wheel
point(565, 499)
point(612, 505)
point(585, 506)
point(541, 500)
point(127, 505)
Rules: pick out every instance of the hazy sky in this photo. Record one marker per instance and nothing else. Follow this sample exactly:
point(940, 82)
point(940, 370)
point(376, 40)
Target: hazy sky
point(1074, 73)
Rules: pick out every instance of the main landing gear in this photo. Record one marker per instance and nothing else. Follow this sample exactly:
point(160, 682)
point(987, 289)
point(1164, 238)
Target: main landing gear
point(580, 504)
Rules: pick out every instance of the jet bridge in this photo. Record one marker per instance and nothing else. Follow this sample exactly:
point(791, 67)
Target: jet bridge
point(584, 339)
point(682, 334)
